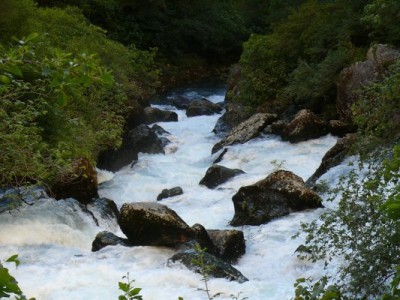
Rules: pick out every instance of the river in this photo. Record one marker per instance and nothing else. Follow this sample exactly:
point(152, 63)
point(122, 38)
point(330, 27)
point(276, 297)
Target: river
point(53, 238)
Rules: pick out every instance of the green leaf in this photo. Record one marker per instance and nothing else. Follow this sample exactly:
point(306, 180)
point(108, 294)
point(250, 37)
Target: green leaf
point(15, 70)
point(123, 286)
point(31, 37)
point(14, 259)
point(62, 99)
point(5, 79)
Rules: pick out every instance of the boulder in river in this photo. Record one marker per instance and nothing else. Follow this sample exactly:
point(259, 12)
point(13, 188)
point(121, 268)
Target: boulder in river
point(216, 267)
point(167, 193)
point(246, 130)
point(202, 107)
point(217, 175)
point(230, 243)
point(304, 126)
point(140, 139)
point(275, 196)
point(105, 238)
point(153, 115)
point(234, 115)
point(153, 224)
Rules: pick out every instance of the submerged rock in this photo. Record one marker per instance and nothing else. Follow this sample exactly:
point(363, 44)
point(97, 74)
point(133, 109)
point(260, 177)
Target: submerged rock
point(104, 208)
point(216, 267)
point(105, 238)
point(202, 107)
point(230, 243)
point(277, 195)
point(246, 130)
point(167, 193)
point(217, 175)
point(153, 224)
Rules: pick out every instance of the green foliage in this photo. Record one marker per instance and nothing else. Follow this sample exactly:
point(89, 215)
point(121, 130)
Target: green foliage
point(360, 231)
point(50, 111)
point(376, 111)
point(382, 19)
point(305, 289)
point(300, 59)
point(8, 285)
point(130, 292)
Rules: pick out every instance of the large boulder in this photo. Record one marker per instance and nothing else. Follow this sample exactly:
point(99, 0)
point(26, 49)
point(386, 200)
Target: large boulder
point(140, 139)
point(277, 195)
point(216, 267)
point(246, 130)
point(153, 115)
point(153, 224)
point(230, 243)
point(234, 115)
point(167, 193)
point(360, 74)
point(333, 157)
point(202, 107)
point(105, 238)
point(80, 182)
point(304, 126)
point(217, 175)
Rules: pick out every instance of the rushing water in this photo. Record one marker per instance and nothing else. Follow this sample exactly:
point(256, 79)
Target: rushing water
point(53, 238)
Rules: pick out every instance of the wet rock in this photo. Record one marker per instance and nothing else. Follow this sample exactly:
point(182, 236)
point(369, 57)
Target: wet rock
point(220, 156)
point(14, 198)
point(234, 115)
point(217, 175)
point(80, 183)
point(304, 126)
point(230, 243)
point(153, 115)
point(140, 139)
point(153, 224)
point(180, 102)
point(167, 193)
point(246, 130)
point(277, 195)
point(157, 129)
point(202, 107)
point(202, 238)
point(135, 116)
point(333, 157)
point(360, 74)
point(340, 128)
point(105, 238)
point(216, 267)
point(104, 208)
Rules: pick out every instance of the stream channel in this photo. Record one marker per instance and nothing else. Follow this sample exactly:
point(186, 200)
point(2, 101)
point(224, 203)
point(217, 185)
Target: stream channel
point(53, 238)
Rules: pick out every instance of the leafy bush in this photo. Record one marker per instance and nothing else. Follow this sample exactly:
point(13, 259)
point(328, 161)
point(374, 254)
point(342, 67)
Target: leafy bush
point(359, 231)
point(300, 59)
point(377, 110)
point(53, 111)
